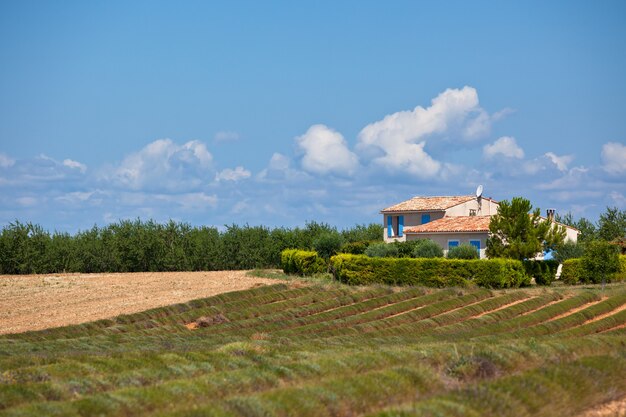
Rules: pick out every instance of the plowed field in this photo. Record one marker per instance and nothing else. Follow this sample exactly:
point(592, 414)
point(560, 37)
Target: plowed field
point(34, 302)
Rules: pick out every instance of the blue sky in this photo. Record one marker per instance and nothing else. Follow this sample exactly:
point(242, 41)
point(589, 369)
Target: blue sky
point(280, 112)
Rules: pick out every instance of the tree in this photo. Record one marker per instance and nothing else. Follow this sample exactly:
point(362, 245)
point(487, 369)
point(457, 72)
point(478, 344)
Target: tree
point(600, 261)
point(327, 244)
point(612, 224)
point(518, 233)
point(586, 228)
point(569, 250)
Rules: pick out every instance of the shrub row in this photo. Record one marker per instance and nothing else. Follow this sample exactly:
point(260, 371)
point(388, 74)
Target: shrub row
point(574, 272)
point(436, 272)
point(302, 262)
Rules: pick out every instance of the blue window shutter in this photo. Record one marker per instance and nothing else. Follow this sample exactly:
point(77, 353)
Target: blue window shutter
point(389, 226)
point(400, 225)
point(453, 244)
point(425, 218)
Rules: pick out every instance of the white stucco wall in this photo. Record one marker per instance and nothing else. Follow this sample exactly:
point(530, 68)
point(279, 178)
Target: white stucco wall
point(410, 219)
point(486, 208)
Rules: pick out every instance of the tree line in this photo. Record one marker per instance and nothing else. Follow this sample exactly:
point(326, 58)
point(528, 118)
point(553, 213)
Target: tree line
point(136, 245)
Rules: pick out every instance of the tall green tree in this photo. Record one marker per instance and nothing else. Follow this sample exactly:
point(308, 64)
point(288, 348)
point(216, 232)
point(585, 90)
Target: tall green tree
point(519, 232)
point(612, 224)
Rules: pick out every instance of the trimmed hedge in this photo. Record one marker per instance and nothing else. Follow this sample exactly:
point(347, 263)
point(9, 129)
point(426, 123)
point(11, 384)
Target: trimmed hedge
point(434, 272)
point(302, 262)
point(574, 272)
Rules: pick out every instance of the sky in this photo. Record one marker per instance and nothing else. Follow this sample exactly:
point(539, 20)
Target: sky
point(277, 113)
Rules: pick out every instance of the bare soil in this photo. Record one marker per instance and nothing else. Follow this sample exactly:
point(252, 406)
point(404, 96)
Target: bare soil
point(615, 408)
point(35, 302)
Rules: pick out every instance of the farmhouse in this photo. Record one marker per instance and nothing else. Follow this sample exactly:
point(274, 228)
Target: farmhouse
point(449, 221)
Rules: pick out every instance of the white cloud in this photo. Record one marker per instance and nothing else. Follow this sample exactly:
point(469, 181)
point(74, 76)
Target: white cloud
point(614, 157)
point(226, 136)
point(196, 201)
point(75, 165)
point(164, 164)
point(505, 146)
point(26, 201)
point(5, 161)
point(326, 151)
point(237, 174)
point(561, 162)
point(397, 142)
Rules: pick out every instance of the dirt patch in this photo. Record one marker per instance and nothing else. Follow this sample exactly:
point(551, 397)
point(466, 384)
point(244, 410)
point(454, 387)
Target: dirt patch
point(615, 408)
point(35, 302)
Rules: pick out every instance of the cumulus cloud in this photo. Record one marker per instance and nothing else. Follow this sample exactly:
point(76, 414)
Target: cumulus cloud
point(164, 164)
point(75, 165)
point(561, 162)
point(237, 174)
point(397, 142)
point(226, 136)
point(505, 146)
point(326, 152)
point(614, 158)
point(5, 161)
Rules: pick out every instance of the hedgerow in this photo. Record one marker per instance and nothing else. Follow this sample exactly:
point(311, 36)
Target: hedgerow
point(575, 271)
point(434, 272)
point(302, 262)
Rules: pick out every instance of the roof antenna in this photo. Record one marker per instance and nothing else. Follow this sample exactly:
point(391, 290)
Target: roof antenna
point(479, 195)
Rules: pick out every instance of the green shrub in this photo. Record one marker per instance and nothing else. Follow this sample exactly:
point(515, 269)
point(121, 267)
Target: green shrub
point(573, 272)
point(382, 250)
point(405, 249)
point(601, 261)
point(544, 272)
point(435, 272)
point(464, 251)
point(327, 244)
point(426, 248)
point(355, 248)
point(302, 262)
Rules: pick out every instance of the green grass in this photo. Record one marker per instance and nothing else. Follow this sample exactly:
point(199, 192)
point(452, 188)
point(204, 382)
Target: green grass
point(324, 349)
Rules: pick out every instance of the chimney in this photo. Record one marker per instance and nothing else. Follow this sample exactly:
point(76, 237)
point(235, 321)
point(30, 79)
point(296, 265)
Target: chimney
point(550, 214)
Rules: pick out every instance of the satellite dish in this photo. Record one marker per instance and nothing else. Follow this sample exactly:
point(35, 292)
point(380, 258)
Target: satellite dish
point(479, 191)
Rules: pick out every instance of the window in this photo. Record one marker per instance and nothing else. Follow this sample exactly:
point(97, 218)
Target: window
point(425, 218)
point(452, 244)
point(472, 212)
point(395, 226)
point(476, 244)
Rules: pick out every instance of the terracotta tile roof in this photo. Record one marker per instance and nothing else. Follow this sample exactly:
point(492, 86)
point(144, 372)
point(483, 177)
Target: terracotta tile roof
point(428, 203)
point(453, 224)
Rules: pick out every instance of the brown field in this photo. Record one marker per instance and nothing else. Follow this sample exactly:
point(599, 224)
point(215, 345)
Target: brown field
point(34, 302)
